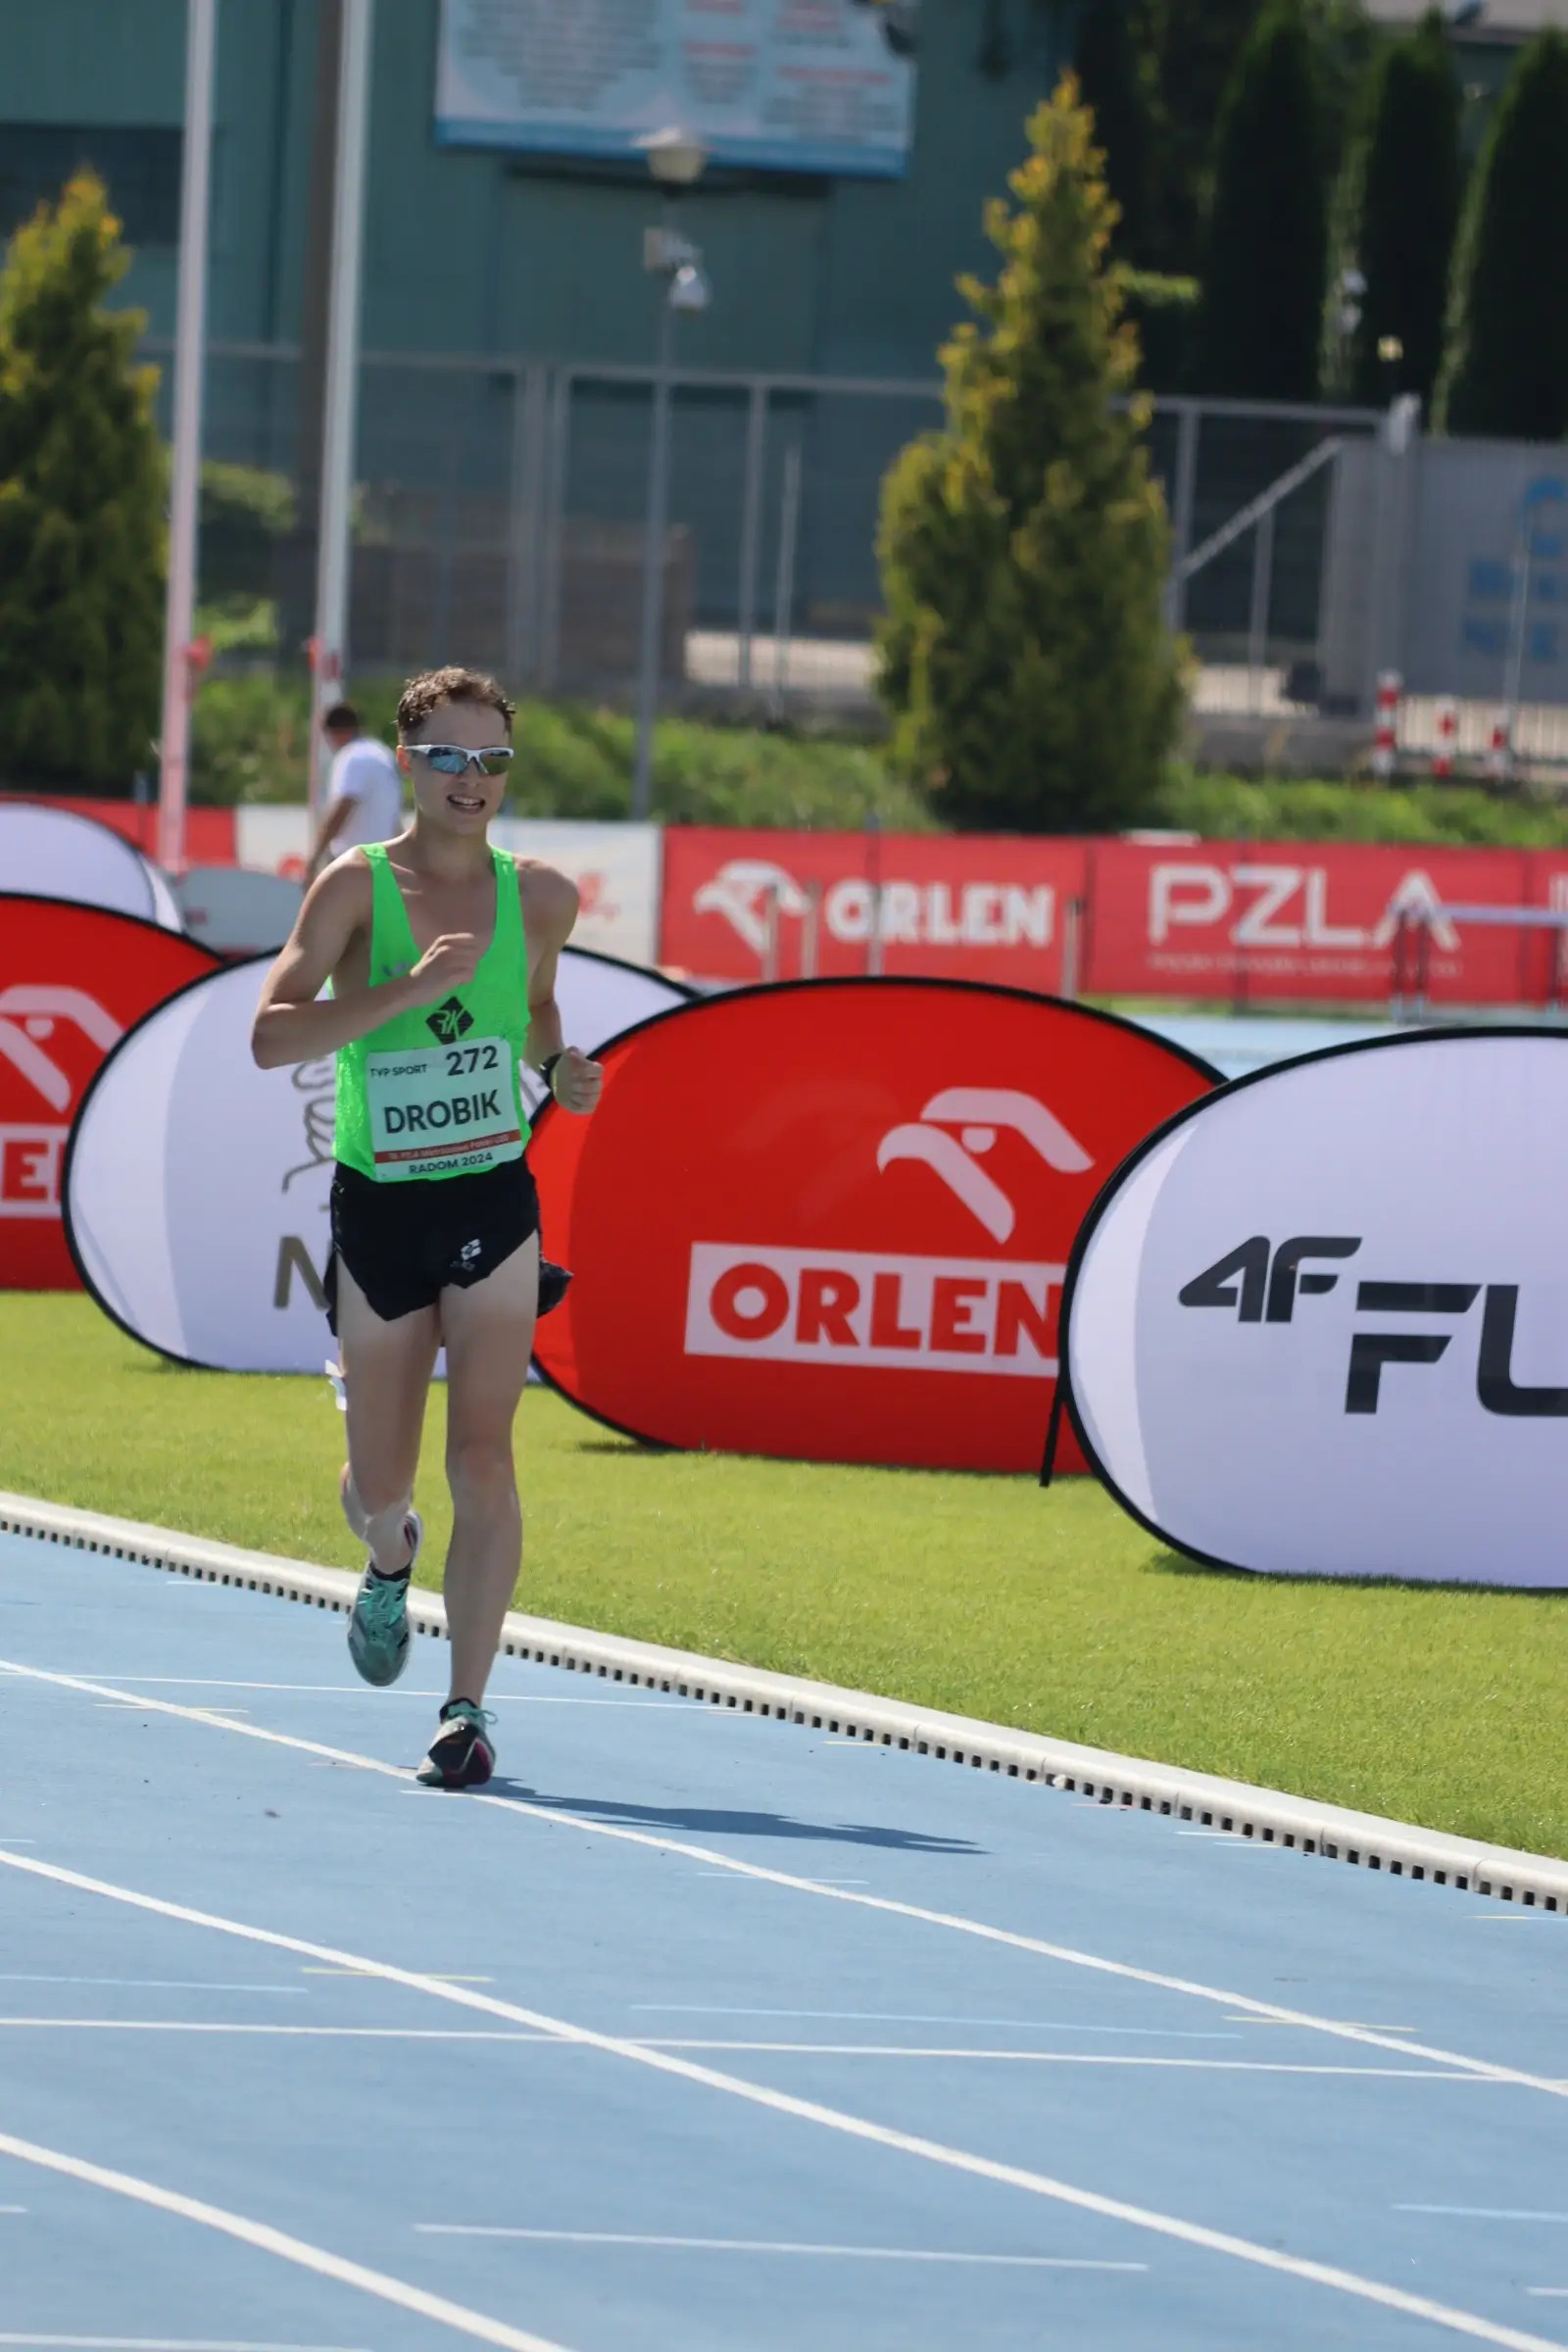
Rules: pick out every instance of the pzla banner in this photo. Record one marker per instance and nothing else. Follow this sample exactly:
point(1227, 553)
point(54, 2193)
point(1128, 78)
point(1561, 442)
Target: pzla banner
point(831, 1220)
point(196, 1186)
point(1318, 1325)
point(72, 980)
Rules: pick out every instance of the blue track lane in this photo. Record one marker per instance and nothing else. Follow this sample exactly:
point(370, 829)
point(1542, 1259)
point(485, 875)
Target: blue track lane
point(578, 2195)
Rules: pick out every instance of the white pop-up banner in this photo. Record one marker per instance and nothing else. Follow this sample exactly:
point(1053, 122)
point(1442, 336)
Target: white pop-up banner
point(196, 1185)
point(55, 854)
point(1317, 1325)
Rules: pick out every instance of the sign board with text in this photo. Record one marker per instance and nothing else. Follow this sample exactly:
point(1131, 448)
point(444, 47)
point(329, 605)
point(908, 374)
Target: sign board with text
point(1318, 1325)
point(787, 85)
point(831, 1221)
point(997, 908)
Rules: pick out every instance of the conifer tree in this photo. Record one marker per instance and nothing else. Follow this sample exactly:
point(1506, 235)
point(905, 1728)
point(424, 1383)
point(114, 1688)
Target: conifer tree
point(1116, 79)
point(82, 533)
point(1024, 548)
point(1506, 366)
point(1260, 323)
point(1399, 210)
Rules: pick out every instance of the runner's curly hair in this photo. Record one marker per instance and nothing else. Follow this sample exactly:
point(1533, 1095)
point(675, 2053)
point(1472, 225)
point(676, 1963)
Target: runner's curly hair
point(432, 686)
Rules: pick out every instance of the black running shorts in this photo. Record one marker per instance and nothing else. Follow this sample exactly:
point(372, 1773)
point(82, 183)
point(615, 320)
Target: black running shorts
point(403, 1243)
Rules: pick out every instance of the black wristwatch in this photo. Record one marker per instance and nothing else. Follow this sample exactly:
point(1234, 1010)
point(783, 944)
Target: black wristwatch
point(547, 1071)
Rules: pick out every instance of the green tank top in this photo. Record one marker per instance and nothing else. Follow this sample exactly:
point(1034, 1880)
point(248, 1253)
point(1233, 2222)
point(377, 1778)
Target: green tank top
point(434, 1092)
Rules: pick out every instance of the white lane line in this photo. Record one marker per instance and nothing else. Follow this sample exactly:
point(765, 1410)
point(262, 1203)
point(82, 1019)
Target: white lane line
point(12, 2209)
point(785, 2049)
point(901, 2017)
point(508, 1699)
point(156, 2343)
point(772, 2245)
point(1484, 2213)
point(266, 2240)
point(831, 2118)
point(1069, 1954)
point(151, 1984)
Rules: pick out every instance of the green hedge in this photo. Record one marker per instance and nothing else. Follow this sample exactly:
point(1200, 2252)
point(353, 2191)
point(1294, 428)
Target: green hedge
point(250, 742)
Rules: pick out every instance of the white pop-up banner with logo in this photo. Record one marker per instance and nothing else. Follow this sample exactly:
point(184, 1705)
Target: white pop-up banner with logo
point(55, 854)
point(1318, 1324)
point(196, 1185)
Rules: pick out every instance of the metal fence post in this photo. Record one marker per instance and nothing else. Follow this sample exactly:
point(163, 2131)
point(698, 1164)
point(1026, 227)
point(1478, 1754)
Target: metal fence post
point(750, 527)
point(556, 459)
point(1185, 492)
point(525, 525)
point(1257, 619)
point(789, 526)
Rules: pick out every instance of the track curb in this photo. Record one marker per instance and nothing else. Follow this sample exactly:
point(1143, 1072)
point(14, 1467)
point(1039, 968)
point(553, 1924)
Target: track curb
point(1271, 1816)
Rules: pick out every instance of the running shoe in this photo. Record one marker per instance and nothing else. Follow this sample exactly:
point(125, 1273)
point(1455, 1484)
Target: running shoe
point(378, 1629)
point(460, 1753)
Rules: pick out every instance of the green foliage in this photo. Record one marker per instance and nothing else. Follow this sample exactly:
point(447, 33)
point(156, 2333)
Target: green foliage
point(1236, 808)
point(1117, 78)
point(1399, 210)
point(244, 512)
point(1260, 322)
point(1024, 549)
point(1194, 45)
point(981, 1595)
point(81, 507)
point(1505, 368)
point(250, 735)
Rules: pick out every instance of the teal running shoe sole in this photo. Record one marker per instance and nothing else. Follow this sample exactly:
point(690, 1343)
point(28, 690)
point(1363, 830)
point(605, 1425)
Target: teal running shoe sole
point(379, 1639)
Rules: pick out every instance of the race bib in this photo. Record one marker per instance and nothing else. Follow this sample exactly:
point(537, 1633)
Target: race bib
point(454, 1109)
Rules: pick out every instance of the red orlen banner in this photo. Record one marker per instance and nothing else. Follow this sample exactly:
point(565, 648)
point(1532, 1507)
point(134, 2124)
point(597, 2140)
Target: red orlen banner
point(741, 905)
point(210, 833)
point(830, 1221)
point(1318, 922)
point(72, 980)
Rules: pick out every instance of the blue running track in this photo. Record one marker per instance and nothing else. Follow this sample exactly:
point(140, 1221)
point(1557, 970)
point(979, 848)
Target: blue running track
point(697, 2030)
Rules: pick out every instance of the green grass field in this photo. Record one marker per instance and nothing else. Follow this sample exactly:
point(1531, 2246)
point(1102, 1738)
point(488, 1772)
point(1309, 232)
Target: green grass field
point(980, 1594)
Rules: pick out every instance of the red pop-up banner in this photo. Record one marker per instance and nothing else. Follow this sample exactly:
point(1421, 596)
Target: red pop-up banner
point(72, 980)
point(831, 1221)
point(758, 906)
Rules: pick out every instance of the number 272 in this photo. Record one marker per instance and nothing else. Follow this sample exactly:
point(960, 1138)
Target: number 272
point(462, 1058)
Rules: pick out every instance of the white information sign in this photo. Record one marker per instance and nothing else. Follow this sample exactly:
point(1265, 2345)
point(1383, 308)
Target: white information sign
point(788, 85)
point(1318, 1325)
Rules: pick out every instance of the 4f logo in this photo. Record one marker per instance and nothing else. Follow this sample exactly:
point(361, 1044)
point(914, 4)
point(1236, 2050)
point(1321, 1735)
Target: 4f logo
point(449, 1021)
point(1263, 1284)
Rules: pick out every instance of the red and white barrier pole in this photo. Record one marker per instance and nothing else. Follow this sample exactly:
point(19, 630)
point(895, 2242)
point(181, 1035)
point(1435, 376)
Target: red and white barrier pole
point(1448, 737)
point(1385, 743)
point(1500, 759)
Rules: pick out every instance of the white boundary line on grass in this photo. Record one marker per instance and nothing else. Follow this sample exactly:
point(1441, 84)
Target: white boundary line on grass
point(1341, 2030)
point(268, 2240)
point(756, 2094)
point(1271, 1816)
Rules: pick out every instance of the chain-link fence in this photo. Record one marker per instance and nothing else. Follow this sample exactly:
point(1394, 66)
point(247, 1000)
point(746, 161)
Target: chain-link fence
point(500, 518)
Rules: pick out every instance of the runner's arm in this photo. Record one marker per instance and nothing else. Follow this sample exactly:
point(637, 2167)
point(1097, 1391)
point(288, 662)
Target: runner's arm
point(292, 1025)
point(549, 911)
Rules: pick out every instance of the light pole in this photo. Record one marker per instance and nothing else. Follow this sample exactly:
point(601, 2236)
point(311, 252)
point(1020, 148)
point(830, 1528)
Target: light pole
point(191, 341)
point(676, 160)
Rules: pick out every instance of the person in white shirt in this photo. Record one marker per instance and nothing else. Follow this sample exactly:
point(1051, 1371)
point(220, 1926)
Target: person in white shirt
point(364, 797)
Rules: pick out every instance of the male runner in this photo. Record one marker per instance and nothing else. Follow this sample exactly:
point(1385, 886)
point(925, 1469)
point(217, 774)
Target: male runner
point(442, 953)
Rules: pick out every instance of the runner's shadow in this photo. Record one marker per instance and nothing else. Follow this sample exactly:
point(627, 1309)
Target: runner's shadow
point(705, 1820)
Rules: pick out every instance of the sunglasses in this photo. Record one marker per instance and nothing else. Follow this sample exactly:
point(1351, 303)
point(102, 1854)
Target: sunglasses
point(451, 759)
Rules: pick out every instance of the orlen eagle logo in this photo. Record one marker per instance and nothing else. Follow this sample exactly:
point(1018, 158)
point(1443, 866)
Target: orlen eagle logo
point(753, 895)
point(790, 1240)
point(938, 1315)
point(31, 1151)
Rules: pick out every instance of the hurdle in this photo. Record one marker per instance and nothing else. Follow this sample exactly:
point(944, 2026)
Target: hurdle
point(1410, 978)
